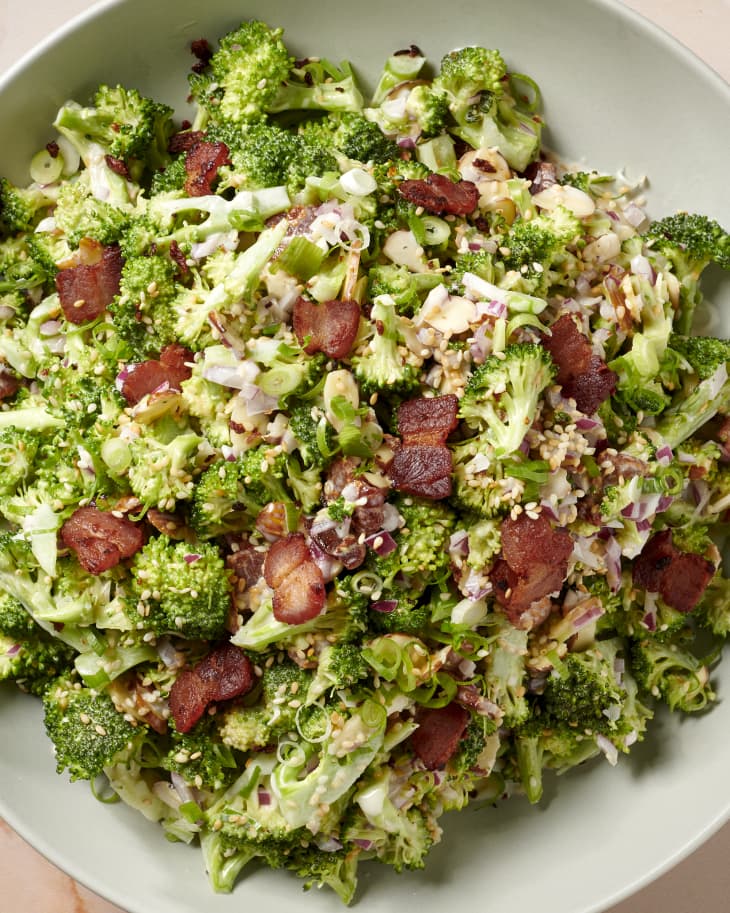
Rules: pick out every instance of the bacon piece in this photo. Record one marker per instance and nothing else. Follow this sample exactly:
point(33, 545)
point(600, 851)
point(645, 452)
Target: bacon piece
point(146, 376)
point(172, 525)
point(301, 596)
point(184, 141)
point(581, 373)
point(297, 581)
point(284, 557)
point(330, 327)
point(534, 564)
point(428, 420)
point(9, 385)
point(86, 291)
point(100, 539)
point(226, 672)
point(201, 166)
point(423, 470)
point(679, 577)
point(247, 564)
point(439, 733)
point(440, 195)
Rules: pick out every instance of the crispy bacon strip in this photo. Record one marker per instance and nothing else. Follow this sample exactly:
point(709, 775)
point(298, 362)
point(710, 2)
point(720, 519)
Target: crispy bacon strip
point(171, 368)
point(86, 291)
point(330, 327)
point(428, 420)
point(184, 141)
point(534, 564)
point(679, 577)
point(297, 581)
point(423, 470)
point(581, 373)
point(201, 166)
point(439, 733)
point(442, 196)
point(542, 175)
point(100, 539)
point(226, 672)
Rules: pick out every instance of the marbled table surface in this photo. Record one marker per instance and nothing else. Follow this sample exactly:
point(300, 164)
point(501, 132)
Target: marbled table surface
point(699, 884)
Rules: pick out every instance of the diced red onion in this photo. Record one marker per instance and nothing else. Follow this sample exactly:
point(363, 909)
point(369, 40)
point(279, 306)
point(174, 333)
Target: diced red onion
point(329, 566)
point(329, 845)
point(13, 650)
point(392, 520)
point(664, 503)
point(481, 344)
point(122, 376)
point(381, 543)
point(257, 402)
point(406, 142)
point(459, 543)
point(50, 327)
point(386, 606)
point(634, 215)
point(264, 797)
point(643, 525)
point(171, 657)
point(363, 844)
point(608, 748)
point(640, 266)
point(491, 308)
point(594, 610)
point(612, 215)
point(613, 564)
point(587, 424)
point(191, 558)
point(664, 455)
point(181, 787)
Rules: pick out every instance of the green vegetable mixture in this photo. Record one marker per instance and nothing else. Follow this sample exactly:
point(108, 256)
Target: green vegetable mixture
point(207, 333)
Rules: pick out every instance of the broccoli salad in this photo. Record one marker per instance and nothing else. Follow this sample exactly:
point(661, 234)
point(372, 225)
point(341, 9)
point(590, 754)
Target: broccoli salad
point(359, 462)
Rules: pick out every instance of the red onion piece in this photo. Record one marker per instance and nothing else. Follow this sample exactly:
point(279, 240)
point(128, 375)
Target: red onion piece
point(191, 558)
point(381, 543)
point(386, 606)
point(664, 455)
point(13, 651)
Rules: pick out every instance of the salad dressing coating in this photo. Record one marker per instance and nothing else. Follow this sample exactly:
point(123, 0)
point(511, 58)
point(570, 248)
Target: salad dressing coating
point(358, 460)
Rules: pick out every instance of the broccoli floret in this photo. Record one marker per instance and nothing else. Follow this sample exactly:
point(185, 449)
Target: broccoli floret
point(667, 669)
point(230, 494)
point(180, 589)
point(132, 128)
point(29, 656)
point(141, 312)
point(317, 868)
point(382, 367)
point(421, 556)
point(163, 464)
point(87, 731)
point(351, 134)
point(18, 451)
point(469, 72)
point(502, 395)
point(79, 213)
point(581, 692)
point(339, 666)
point(251, 74)
point(486, 113)
point(269, 156)
point(713, 610)
point(476, 262)
point(200, 757)
point(482, 487)
point(20, 207)
point(704, 354)
point(690, 242)
point(276, 713)
point(314, 434)
point(543, 241)
point(244, 74)
point(407, 289)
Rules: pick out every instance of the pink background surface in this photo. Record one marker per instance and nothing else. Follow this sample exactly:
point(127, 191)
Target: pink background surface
point(699, 884)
